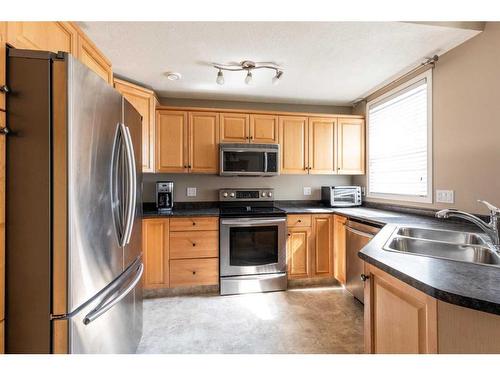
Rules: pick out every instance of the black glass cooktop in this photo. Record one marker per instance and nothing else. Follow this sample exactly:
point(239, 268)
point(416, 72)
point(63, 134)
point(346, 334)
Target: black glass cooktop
point(244, 211)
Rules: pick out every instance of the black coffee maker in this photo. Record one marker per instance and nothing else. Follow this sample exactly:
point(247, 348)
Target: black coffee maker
point(164, 196)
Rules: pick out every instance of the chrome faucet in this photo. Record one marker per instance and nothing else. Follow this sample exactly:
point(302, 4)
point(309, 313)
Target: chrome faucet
point(492, 229)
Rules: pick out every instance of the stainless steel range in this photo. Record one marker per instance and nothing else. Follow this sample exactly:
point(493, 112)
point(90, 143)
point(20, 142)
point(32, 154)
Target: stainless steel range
point(252, 242)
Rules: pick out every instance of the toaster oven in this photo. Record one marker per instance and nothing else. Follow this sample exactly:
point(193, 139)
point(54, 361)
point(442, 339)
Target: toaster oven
point(341, 196)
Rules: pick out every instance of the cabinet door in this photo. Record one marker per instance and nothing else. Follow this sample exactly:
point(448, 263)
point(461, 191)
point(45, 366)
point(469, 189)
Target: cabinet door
point(399, 319)
point(203, 142)
point(48, 36)
point(263, 129)
point(293, 139)
point(323, 249)
point(93, 58)
point(322, 145)
point(299, 252)
point(171, 141)
point(339, 248)
point(144, 101)
point(234, 128)
point(155, 246)
point(350, 146)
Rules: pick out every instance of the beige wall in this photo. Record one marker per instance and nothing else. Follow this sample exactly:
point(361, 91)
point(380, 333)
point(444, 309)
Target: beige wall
point(287, 187)
point(279, 107)
point(466, 122)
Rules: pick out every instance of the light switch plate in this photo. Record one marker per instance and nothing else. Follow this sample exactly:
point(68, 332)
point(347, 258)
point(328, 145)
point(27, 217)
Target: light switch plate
point(445, 196)
point(191, 192)
point(307, 191)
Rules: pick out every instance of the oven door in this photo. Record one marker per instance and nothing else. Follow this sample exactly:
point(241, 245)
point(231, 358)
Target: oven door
point(252, 246)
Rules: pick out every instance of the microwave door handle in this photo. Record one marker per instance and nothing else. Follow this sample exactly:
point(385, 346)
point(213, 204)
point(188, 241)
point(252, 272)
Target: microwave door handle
point(265, 162)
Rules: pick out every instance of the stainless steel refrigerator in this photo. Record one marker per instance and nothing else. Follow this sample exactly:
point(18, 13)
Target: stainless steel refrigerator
point(73, 211)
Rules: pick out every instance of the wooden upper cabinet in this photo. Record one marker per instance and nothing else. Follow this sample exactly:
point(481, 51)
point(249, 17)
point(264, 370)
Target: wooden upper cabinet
point(339, 248)
point(171, 141)
point(293, 140)
point(322, 146)
point(144, 101)
point(47, 36)
point(234, 128)
point(90, 55)
point(299, 250)
point(351, 146)
point(399, 319)
point(323, 245)
point(155, 244)
point(263, 129)
point(203, 142)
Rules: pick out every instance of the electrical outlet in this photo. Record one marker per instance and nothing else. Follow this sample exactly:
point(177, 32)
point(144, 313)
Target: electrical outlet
point(445, 196)
point(307, 191)
point(191, 192)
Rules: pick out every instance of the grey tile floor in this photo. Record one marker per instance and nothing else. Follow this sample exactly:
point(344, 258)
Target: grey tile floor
point(307, 320)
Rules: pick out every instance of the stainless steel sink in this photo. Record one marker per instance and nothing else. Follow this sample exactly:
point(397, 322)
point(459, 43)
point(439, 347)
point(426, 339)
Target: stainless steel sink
point(462, 253)
point(441, 235)
point(446, 244)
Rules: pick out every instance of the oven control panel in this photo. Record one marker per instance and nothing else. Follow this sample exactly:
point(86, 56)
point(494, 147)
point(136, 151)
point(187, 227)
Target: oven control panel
point(264, 194)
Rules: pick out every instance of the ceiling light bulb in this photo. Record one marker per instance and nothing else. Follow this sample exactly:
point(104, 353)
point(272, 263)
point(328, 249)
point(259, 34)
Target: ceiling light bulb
point(277, 77)
point(220, 78)
point(248, 78)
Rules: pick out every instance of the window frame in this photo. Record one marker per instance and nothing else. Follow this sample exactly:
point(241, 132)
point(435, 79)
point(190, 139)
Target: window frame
point(427, 75)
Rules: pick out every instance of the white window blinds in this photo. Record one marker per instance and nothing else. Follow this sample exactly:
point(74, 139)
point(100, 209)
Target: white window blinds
point(398, 143)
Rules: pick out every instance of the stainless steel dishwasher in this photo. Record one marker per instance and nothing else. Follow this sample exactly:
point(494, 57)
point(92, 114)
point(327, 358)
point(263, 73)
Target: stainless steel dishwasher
point(357, 236)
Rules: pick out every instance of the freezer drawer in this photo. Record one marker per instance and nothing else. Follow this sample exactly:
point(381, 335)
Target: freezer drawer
point(111, 322)
point(357, 236)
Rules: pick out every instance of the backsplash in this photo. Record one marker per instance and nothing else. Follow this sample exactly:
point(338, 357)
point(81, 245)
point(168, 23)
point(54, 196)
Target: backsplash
point(287, 187)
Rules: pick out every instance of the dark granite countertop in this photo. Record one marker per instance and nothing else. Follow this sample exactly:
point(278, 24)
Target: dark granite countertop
point(465, 284)
point(182, 209)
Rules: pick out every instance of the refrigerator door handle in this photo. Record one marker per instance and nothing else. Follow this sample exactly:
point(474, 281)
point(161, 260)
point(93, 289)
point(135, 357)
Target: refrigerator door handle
point(118, 185)
point(132, 185)
point(105, 305)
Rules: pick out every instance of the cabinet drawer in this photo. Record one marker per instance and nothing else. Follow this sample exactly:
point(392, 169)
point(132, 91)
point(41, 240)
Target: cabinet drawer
point(299, 220)
point(198, 244)
point(179, 224)
point(190, 272)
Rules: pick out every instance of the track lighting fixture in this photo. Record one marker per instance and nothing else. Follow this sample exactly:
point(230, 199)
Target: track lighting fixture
point(220, 78)
point(248, 78)
point(249, 66)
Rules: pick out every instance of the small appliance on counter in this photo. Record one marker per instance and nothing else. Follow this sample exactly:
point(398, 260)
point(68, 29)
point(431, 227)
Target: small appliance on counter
point(341, 196)
point(164, 196)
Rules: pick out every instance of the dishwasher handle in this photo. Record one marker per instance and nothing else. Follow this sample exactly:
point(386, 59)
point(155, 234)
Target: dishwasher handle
point(358, 232)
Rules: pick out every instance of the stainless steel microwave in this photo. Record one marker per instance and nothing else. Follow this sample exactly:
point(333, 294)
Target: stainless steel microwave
point(245, 159)
point(341, 196)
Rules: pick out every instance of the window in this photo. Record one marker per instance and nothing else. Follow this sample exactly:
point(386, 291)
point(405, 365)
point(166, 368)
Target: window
point(400, 142)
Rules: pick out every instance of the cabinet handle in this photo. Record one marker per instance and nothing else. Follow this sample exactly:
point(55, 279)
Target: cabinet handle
point(364, 277)
point(185, 166)
point(194, 223)
point(189, 166)
point(289, 234)
point(194, 272)
point(299, 221)
point(4, 89)
point(4, 131)
point(194, 244)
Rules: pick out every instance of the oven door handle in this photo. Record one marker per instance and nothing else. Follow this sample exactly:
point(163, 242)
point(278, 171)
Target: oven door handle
point(252, 221)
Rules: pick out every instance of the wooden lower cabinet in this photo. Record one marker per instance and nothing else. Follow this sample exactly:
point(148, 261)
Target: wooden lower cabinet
point(339, 248)
point(299, 250)
point(322, 240)
point(398, 318)
point(192, 272)
point(181, 252)
point(194, 244)
point(310, 246)
point(155, 247)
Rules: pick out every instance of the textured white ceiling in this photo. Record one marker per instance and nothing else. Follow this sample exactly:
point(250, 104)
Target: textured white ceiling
point(329, 63)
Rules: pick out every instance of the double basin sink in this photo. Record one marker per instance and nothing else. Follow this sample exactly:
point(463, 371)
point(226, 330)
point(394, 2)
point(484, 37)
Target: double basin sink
point(453, 245)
